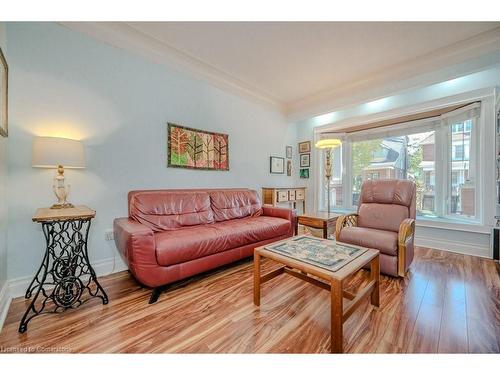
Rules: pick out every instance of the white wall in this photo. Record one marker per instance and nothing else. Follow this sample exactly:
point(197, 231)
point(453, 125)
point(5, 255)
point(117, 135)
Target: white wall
point(64, 83)
point(461, 241)
point(3, 187)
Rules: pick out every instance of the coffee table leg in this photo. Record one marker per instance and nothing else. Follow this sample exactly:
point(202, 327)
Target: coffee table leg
point(337, 310)
point(375, 275)
point(256, 278)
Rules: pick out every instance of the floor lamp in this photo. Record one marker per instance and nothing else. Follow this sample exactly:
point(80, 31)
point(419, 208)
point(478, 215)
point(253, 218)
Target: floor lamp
point(328, 144)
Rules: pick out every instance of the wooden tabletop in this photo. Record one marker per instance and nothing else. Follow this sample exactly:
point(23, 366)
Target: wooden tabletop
point(321, 215)
point(63, 214)
point(285, 188)
point(347, 270)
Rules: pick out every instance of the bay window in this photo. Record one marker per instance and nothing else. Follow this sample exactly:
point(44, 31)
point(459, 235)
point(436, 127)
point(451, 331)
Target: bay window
point(439, 154)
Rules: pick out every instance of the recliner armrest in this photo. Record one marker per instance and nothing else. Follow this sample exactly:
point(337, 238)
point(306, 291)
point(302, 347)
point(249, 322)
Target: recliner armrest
point(350, 220)
point(406, 231)
point(135, 241)
point(406, 236)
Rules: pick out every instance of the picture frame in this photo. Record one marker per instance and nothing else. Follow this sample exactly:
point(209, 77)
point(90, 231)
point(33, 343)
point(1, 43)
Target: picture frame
point(305, 160)
point(288, 168)
point(304, 173)
point(288, 152)
point(277, 165)
point(4, 83)
point(197, 149)
point(304, 147)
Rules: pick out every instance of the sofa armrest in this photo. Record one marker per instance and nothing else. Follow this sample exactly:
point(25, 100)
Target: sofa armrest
point(135, 241)
point(283, 213)
point(350, 220)
point(405, 239)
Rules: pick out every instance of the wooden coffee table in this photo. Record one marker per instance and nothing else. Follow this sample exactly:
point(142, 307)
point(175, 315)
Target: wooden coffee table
point(343, 303)
point(319, 220)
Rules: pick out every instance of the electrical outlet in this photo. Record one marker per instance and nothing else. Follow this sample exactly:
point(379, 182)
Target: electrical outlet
point(109, 235)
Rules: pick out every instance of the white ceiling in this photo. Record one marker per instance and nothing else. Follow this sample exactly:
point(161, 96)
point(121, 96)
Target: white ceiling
point(292, 62)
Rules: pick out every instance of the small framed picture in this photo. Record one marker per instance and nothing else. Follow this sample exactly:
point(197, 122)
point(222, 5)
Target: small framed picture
point(4, 79)
point(304, 147)
point(288, 167)
point(305, 160)
point(288, 152)
point(277, 164)
point(304, 173)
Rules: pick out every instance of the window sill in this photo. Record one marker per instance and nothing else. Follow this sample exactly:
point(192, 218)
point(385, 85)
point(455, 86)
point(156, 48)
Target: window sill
point(437, 223)
point(450, 224)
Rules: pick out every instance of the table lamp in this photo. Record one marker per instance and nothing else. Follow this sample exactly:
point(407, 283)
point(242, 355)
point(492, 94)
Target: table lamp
point(60, 153)
point(328, 144)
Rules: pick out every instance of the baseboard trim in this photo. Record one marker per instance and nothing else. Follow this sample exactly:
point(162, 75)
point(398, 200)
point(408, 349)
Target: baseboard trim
point(17, 287)
point(454, 247)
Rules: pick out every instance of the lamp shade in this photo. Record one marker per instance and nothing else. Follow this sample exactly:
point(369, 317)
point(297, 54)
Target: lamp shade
point(50, 152)
point(328, 143)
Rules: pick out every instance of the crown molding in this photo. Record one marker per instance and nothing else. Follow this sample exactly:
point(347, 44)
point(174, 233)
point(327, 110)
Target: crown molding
point(406, 75)
point(443, 64)
point(125, 36)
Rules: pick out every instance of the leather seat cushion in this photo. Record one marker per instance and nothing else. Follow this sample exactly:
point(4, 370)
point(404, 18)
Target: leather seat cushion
point(182, 245)
point(384, 241)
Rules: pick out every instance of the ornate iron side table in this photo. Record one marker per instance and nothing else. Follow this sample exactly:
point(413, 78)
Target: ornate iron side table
point(65, 274)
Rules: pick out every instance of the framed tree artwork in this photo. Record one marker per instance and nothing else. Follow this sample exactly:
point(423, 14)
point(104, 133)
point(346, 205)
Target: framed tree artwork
point(288, 152)
point(197, 149)
point(277, 164)
point(304, 147)
point(4, 72)
point(289, 168)
point(305, 160)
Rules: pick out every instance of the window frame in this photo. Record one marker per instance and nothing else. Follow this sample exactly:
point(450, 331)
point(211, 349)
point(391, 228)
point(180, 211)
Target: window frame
point(442, 175)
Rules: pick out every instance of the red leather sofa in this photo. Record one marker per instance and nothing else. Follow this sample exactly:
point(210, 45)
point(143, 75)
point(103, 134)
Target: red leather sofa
point(171, 235)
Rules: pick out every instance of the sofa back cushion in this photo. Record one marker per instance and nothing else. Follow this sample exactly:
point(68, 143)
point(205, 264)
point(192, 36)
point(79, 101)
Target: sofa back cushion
point(170, 209)
point(235, 204)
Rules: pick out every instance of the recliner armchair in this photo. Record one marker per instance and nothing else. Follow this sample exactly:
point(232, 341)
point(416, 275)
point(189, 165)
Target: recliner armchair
point(385, 221)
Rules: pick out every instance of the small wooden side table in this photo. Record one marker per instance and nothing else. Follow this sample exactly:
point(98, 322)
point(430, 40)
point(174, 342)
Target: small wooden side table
point(65, 278)
point(319, 220)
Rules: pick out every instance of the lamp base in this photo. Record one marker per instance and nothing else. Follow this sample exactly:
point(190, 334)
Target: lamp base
point(57, 206)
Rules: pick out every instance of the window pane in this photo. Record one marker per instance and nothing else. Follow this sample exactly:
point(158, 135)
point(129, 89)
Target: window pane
point(378, 159)
point(461, 190)
point(422, 170)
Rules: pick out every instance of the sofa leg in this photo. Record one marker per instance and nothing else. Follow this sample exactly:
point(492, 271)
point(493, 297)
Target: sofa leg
point(155, 294)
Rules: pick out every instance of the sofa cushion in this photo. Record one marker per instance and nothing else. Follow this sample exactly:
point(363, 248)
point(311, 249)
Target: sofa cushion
point(235, 204)
point(385, 241)
point(382, 216)
point(168, 210)
point(186, 244)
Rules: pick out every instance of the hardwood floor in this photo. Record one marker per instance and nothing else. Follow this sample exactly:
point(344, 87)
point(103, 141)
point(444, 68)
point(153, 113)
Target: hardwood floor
point(448, 303)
